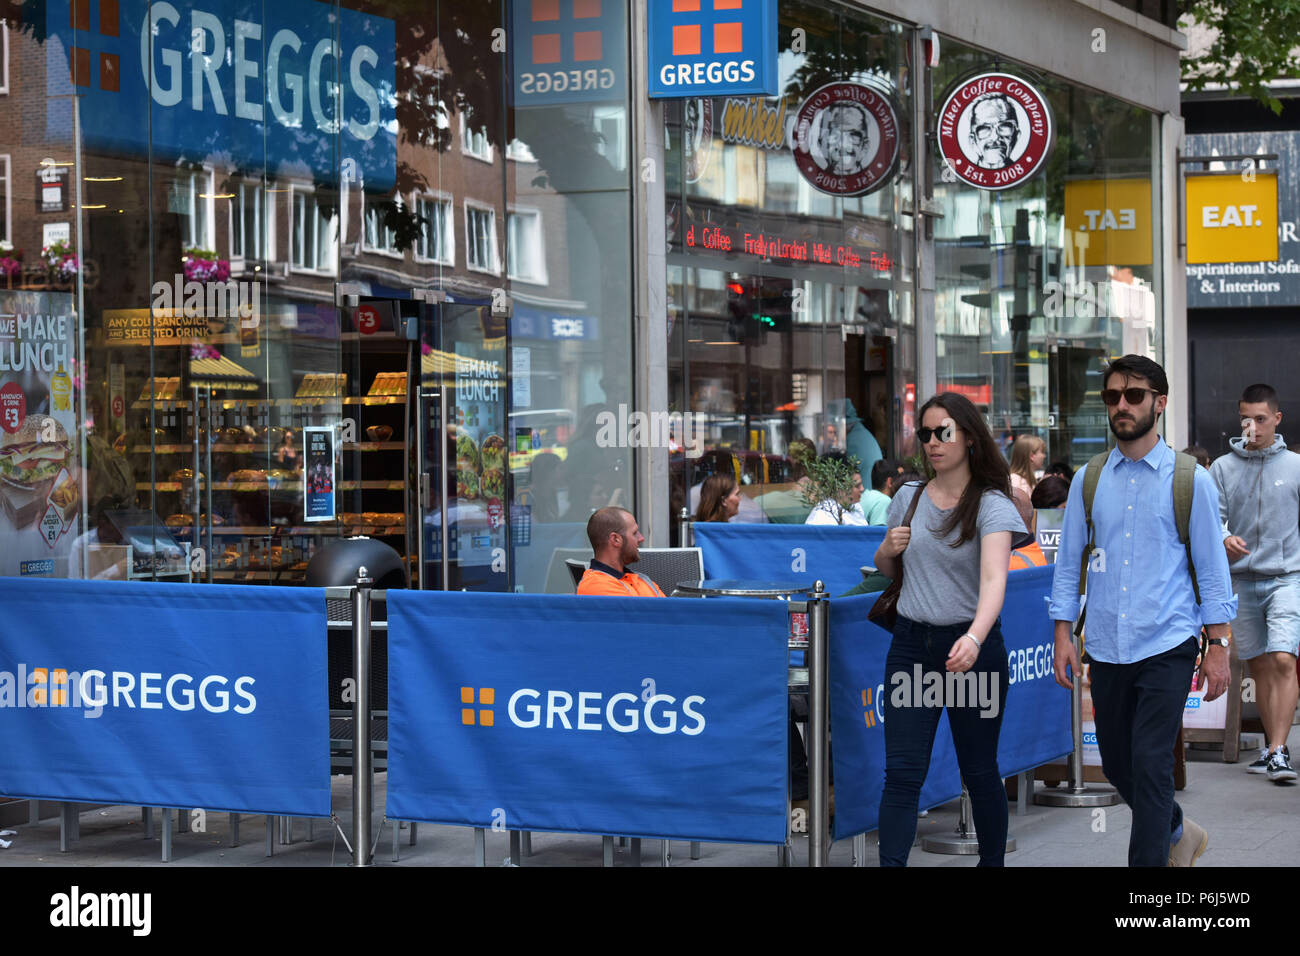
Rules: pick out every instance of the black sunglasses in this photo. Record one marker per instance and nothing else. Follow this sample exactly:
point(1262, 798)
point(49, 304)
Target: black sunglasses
point(1134, 396)
point(943, 433)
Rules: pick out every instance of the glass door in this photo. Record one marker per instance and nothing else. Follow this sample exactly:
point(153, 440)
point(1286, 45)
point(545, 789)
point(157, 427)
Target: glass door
point(464, 460)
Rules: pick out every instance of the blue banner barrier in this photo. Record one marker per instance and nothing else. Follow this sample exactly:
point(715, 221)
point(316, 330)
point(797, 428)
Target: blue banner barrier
point(1035, 724)
point(172, 695)
point(857, 683)
point(627, 716)
point(788, 552)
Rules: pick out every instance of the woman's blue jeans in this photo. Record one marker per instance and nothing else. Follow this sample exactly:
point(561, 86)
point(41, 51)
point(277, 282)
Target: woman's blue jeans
point(912, 717)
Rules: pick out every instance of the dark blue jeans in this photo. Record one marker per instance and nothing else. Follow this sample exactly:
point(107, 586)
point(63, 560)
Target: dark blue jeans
point(1139, 708)
point(910, 730)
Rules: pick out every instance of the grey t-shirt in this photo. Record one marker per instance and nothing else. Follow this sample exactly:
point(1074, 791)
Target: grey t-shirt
point(941, 585)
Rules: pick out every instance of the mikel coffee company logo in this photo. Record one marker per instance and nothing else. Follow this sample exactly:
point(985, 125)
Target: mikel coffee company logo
point(214, 300)
point(995, 130)
point(625, 713)
point(846, 139)
point(697, 136)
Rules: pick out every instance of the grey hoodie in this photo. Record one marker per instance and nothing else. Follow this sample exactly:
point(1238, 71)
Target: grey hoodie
point(1259, 501)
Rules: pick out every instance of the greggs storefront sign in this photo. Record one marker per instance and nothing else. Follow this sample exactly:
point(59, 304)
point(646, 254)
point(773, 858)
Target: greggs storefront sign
point(267, 83)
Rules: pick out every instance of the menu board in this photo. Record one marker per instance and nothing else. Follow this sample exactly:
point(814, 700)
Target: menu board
point(41, 485)
point(480, 453)
point(318, 473)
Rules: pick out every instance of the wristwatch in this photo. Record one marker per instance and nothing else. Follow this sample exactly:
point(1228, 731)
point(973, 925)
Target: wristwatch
point(1223, 642)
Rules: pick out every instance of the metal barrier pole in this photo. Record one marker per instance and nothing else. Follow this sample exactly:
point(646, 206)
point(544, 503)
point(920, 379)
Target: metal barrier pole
point(818, 783)
point(1079, 794)
point(362, 768)
point(685, 529)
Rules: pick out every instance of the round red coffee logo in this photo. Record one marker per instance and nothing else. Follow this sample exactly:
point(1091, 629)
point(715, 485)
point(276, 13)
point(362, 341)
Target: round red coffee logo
point(995, 131)
point(846, 138)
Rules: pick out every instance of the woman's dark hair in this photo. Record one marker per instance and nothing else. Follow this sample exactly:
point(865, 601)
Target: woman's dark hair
point(716, 489)
point(1060, 468)
point(1051, 492)
point(988, 469)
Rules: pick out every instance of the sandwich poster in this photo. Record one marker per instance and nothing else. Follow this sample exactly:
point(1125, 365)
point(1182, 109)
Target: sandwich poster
point(318, 474)
point(41, 483)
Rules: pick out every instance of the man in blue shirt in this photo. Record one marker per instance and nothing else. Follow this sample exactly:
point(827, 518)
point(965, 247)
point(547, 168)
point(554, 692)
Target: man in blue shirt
point(1143, 622)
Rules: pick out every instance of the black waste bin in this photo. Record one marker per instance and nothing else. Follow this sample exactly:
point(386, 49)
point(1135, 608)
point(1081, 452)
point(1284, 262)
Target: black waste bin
point(336, 565)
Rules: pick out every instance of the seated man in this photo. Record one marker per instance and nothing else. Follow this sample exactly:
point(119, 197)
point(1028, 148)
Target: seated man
point(615, 541)
point(875, 503)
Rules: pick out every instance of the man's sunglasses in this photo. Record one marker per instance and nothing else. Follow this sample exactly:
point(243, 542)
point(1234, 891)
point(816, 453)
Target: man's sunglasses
point(1134, 396)
point(943, 433)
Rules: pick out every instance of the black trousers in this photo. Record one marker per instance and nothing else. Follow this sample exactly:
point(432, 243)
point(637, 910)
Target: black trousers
point(1139, 708)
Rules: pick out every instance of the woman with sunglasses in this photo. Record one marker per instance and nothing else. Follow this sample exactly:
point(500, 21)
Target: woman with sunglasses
point(954, 578)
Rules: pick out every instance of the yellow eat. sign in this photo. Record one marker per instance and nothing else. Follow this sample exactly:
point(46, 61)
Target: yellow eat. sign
point(1116, 215)
point(1230, 219)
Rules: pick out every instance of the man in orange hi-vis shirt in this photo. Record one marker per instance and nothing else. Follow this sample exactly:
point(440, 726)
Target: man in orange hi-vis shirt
point(615, 540)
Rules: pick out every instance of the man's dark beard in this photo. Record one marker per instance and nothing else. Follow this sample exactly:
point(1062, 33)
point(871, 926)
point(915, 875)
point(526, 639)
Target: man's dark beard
point(1140, 427)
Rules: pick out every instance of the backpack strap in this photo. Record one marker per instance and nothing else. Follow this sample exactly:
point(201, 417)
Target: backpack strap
point(1184, 492)
point(1090, 478)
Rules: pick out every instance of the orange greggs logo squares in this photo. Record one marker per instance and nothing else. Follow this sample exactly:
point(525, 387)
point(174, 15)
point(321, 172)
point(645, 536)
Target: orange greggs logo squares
point(486, 697)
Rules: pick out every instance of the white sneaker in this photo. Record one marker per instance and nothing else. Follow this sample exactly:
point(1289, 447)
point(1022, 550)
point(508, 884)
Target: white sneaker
point(1261, 763)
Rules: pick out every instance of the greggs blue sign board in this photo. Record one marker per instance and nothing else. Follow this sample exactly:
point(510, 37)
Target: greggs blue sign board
point(166, 695)
point(292, 82)
point(634, 716)
point(713, 48)
point(567, 51)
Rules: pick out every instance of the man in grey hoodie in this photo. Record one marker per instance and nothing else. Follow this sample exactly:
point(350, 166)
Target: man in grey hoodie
point(1259, 502)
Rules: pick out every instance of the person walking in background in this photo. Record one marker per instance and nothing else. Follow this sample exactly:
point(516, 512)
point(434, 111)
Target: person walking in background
point(875, 503)
point(719, 498)
point(1259, 499)
point(1200, 454)
point(953, 585)
point(1051, 492)
point(1027, 457)
point(1144, 614)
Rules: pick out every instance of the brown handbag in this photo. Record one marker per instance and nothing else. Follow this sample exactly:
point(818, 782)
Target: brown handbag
point(885, 611)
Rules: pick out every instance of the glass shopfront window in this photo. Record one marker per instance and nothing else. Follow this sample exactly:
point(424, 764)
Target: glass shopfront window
point(1039, 285)
point(343, 216)
point(790, 263)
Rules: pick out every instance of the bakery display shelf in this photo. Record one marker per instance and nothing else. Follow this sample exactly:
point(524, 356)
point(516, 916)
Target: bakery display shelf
point(161, 404)
point(183, 531)
point(374, 446)
point(375, 400)
point(279, 574)
point(371, 486)
point(218, 448)
point(272, 484)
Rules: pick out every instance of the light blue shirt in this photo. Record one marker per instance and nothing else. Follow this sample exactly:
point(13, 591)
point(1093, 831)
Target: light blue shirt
point(1140, 599)
point(875, 505)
